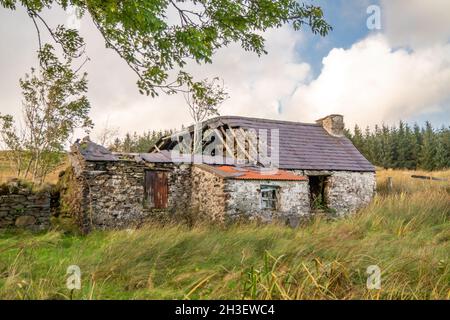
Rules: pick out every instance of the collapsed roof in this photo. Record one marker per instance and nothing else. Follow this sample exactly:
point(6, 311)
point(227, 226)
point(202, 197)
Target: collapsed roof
point(302, 146)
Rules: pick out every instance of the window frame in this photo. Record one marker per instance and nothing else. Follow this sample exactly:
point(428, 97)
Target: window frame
point(269, 197)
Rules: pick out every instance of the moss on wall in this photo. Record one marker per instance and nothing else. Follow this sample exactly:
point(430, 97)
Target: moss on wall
point(69, 215)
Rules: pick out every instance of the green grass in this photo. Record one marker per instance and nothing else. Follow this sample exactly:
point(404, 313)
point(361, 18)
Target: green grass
point(407, 234)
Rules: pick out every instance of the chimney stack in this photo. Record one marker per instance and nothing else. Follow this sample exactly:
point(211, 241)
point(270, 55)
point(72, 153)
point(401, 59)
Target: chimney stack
point(333, 124)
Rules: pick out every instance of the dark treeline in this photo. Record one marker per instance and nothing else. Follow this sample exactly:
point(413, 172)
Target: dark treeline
point(404, 147)
point(138, 142)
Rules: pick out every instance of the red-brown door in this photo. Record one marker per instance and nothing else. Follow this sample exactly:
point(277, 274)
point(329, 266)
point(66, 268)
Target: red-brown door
point(156, 189)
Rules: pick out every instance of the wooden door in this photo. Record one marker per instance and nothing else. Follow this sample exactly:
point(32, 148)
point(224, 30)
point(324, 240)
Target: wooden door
point(156, 189)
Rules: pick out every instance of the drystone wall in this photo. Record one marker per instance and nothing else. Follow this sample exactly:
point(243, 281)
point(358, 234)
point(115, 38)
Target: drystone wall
point(112, 192)
point(243, 200)
point(25, 209)
point(180, 186)
point(208, 197)
point(349, 191)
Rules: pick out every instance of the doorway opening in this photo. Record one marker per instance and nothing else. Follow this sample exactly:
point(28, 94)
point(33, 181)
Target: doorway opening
point(318, 192)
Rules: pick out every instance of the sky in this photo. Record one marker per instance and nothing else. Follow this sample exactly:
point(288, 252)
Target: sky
point(369, 75)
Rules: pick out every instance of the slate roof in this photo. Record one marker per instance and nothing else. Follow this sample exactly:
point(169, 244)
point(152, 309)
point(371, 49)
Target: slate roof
point(305, 146)
point(165, 156)
point(94, 152)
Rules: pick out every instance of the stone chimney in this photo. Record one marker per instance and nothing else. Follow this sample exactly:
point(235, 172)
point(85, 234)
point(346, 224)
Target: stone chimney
point(333, 124)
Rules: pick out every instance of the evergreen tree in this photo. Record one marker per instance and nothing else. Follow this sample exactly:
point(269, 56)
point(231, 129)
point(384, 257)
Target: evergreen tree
point(358, 139)
point(428, 150)
point(386, 147)
point(404, 147)
point(442, 157)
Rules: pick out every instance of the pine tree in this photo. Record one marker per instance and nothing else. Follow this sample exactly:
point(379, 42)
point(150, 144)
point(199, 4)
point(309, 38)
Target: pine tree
point(428, 150)
point(386, 147)
point(442, 156)
point(405, 147)
point(358, 139)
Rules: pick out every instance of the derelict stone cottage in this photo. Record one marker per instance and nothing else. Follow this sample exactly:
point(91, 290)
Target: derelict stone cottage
point(247, 168)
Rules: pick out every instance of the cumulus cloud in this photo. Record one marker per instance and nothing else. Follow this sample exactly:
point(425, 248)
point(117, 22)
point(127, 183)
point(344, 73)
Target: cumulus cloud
point(372, 83)
point(369, 82)
point(416, 23)
point(257, 86)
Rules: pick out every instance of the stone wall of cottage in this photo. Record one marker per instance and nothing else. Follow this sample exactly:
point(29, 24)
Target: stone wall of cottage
point(349, 191)
point(208, 196)
point(346, 191)
point(23, 208)
point(112, 192)
point(115, 193)
point(244, 200)
point(180, 185)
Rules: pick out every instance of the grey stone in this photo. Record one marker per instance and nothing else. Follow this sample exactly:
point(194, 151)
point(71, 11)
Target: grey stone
point(25, 221)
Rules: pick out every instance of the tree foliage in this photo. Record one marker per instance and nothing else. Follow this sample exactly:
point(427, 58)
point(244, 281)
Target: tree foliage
point(404, 147)
point(156, 38)
point(54, 105)
point(204, 100)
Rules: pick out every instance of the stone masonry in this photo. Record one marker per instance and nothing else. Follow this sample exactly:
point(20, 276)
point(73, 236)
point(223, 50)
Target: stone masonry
point(111, 193)
point(109, 190)
point(349, 191)
point(23, 208)
point(243, 200)
point(208, 195)
point(346, 191)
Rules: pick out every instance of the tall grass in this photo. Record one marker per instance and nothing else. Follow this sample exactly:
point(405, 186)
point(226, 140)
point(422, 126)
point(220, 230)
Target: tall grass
point(406, 233)
point(7, 170)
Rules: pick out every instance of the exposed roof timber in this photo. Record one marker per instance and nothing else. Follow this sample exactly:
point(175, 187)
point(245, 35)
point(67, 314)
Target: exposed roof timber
point(301, 145)
point(240, 146)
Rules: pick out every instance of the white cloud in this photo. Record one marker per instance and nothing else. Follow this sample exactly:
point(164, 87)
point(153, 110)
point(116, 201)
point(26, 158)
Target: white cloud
point(256, 85)
point(370, 83)
point(416, 23)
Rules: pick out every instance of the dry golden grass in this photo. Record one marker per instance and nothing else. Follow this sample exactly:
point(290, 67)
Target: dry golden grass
point(8, 172)
point(403, 182)
point(406, 232)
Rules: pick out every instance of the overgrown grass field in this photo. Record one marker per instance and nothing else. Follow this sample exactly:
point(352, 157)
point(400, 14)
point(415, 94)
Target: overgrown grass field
point(8, 172)
point(405, 231)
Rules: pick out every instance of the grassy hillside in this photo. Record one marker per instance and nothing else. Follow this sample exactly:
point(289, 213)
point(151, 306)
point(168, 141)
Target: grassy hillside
point(7, 170)
point(406, 232)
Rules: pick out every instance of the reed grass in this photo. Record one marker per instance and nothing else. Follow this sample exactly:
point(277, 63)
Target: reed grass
point(404, 231)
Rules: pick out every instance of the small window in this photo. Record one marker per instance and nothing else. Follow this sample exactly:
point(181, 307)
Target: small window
point(269, 197)
point(155, 189)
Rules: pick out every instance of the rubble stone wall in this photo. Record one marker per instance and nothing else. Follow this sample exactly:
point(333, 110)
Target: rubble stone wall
point(346, 191)
point(349, 191)
point(25, 209)
point(208, 196)
point(244, 200)
point(113, 192)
